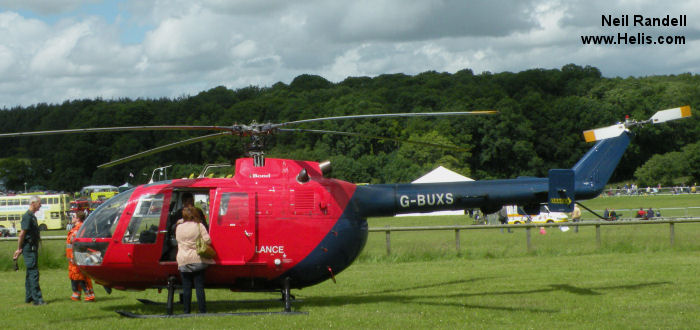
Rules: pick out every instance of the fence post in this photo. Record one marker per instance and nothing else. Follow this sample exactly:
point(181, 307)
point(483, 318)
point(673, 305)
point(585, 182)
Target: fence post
point(457, 240)
point(529, 243)
point(388, 240)
point(673, 232)
point(597, 235)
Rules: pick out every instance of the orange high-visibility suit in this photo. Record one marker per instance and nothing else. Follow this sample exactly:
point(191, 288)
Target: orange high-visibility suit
point(78, 279)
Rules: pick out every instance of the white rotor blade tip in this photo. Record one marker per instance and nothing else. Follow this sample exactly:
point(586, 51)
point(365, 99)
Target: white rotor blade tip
point(671, 114)
point(604, 133)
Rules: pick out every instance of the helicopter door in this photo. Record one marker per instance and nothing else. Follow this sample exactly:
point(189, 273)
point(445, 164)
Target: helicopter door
point(142, 231)
point(233, 227)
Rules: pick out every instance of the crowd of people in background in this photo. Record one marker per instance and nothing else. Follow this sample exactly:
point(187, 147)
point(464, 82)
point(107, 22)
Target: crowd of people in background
point(633, 189)
point(610, 214)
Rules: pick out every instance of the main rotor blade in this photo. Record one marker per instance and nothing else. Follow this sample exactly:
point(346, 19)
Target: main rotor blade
point(121, 129)
point(162, 148)
point(427, 144)
point(384, 115)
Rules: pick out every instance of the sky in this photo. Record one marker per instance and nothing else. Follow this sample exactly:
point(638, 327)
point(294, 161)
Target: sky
point(52, 51)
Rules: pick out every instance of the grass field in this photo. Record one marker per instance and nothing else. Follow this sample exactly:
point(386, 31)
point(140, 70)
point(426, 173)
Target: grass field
point(610, 290)
point(634, 280)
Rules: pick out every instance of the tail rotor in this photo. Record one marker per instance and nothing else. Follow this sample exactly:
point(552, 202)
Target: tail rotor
point(617, 129)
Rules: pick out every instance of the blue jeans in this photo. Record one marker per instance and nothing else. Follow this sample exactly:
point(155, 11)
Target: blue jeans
point(188, 278)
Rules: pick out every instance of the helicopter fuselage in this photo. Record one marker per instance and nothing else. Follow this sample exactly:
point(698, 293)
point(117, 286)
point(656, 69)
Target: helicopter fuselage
point(285, 220)
point(263, 223)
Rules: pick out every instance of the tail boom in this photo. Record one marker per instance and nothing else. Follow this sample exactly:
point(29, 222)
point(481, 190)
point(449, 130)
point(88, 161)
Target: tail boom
point(590, 175)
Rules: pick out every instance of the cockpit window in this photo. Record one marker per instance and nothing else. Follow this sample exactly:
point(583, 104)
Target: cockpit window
point(104, 220)
point(143, 227)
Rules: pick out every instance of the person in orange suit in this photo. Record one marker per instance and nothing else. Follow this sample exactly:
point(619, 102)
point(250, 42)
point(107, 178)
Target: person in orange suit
point(79, 281)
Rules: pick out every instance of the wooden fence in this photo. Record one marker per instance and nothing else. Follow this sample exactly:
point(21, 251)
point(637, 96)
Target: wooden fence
point(528, 227)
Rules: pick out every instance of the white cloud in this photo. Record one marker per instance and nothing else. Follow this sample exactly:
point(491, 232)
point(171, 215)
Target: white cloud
point(186, 46)
point(45, 7)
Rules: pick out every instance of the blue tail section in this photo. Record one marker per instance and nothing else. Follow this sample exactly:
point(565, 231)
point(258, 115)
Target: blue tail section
point(561, 190)
point(593, 171)
point(585, 180)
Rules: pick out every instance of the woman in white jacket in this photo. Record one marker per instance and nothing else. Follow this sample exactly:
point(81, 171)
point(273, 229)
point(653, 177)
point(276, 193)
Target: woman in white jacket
point(189, 263)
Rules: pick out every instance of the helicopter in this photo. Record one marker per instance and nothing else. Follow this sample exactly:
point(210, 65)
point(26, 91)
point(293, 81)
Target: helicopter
point(282, 224)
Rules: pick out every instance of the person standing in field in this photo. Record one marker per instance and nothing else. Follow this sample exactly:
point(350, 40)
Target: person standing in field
point(28, 246)
point(191, 265)
point(79, 281)
point(576, 216)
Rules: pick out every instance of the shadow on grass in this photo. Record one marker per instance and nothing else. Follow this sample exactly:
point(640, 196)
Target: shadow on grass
point(399, 295)
point(408, 298)
point(213, 306)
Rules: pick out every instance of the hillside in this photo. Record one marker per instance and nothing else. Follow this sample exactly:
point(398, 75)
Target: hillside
point(542, 115)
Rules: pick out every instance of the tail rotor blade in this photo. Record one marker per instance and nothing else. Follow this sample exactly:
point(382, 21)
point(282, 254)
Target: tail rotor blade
point(670, 114)
point(617, 129)
point(604, 133)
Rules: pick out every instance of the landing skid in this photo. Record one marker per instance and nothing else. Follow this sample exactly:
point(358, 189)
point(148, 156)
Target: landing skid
point(286, 298)
point(251, 301)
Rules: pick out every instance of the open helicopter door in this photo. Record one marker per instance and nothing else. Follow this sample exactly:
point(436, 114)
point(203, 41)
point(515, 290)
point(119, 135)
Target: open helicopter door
point(232, 226)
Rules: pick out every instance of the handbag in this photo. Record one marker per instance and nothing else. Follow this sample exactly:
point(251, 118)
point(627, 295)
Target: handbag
point(204, 250)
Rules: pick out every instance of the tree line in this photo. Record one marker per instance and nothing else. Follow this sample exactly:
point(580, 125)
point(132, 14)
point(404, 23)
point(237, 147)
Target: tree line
point(542, 114)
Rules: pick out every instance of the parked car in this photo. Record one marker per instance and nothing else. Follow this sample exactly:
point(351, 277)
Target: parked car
point(516, 216)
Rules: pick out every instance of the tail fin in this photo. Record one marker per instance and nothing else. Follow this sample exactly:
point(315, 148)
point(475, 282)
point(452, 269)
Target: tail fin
point(593, 171)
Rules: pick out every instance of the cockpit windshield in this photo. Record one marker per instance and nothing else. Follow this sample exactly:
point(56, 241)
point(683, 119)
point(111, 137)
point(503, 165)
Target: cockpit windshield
point(103, 221)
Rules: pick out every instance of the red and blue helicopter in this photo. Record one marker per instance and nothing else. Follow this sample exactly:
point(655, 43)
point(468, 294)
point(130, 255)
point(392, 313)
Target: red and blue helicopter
point(282, 224)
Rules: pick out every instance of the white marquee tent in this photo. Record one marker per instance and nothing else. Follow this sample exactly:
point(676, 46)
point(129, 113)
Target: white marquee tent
point(440, 174)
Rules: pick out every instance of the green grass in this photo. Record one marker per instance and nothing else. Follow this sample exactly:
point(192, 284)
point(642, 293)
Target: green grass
point(492, 243)
point(609, 290)
point(635, 279)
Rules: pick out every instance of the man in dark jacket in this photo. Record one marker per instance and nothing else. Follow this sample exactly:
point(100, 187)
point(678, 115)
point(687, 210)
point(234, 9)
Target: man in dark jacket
point(28, 246)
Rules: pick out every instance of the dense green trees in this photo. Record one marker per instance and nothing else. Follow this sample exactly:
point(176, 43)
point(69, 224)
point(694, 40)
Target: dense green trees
point(542, 115)
point(672, 168)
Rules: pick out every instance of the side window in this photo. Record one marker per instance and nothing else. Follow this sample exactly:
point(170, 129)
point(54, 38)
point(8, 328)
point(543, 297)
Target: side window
point(233, 208)
point(143, 227)
point(201, 201)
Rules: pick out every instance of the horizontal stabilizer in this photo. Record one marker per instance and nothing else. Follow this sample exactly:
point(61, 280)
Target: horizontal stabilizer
point(671, 114)
point(604, 133)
